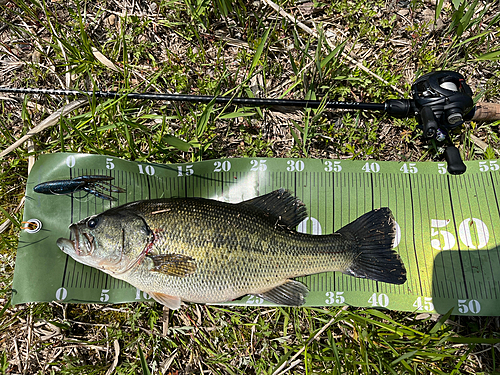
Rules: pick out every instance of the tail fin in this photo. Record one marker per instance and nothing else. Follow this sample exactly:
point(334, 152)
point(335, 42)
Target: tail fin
point(374, 233)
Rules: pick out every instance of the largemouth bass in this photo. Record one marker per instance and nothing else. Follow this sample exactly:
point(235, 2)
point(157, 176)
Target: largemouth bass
point(206, 251)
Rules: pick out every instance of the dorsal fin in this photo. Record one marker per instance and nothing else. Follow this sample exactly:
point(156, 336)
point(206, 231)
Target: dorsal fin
point(281, 206)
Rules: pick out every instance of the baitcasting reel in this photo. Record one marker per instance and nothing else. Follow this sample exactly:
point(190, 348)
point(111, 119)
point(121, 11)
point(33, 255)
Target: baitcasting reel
point(443, 101)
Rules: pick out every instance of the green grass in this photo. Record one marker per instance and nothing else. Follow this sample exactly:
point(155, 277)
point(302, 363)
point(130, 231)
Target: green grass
point(241, 48)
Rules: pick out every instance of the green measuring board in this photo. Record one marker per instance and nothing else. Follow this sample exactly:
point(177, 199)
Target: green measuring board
point(448, 226)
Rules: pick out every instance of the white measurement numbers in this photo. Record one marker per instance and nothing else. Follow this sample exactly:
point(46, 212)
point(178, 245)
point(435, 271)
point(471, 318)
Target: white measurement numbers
point(105, 295)
point(463, 306)
point(296, 165)
point(335, 298)
point(473, 233)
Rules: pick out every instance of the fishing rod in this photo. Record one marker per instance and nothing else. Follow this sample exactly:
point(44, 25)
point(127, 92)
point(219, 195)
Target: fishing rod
point(252, 102)
point(441, 102)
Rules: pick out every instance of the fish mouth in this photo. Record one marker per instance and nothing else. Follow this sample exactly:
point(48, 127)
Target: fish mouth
point(79, 246)
point(66, 246)
point(87, 241)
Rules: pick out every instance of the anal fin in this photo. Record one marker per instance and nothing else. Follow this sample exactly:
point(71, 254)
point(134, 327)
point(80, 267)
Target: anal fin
point(172, 302)
point(291, 293)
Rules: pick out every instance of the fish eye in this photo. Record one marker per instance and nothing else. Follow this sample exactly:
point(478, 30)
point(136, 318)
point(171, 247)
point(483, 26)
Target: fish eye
point(93, 222)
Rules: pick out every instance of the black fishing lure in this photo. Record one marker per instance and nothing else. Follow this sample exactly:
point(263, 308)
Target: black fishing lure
point(92, 184)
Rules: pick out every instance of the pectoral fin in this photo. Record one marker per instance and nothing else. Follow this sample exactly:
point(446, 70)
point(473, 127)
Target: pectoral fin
point(291, 293)
point(173, 264)
point(171, 302)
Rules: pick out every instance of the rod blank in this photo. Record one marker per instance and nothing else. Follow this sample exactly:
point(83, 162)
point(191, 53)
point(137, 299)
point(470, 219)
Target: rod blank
point(253, 102)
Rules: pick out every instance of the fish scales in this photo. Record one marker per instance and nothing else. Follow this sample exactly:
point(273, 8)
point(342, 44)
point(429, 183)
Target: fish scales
point(237, 252)
point(206, 251)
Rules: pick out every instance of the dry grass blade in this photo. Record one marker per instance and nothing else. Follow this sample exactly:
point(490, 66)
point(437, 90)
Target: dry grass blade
point(291, 362)
point(313, 33)
point(6, 224)
point(116, 347)
point(48, 122)
point(104, 60)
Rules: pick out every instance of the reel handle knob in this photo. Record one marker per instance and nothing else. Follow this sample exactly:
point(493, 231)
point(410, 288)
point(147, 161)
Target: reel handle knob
point(455, 163)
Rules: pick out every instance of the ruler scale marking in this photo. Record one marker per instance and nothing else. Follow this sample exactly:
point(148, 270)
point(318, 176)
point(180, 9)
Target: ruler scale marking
point(333, 184)
point(463, 280)
point(498, 212)
point(412, 215)
point(454, 286)
point(432, 208)
point(372, 192)
point(72, 221)
point(490, 253)
point(472, 285)
point(439, 197)
point(426, 181)
point(467, 270)
point(482, 265)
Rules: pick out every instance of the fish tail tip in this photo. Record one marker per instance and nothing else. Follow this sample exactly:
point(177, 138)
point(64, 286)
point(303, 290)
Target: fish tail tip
point(375, 258)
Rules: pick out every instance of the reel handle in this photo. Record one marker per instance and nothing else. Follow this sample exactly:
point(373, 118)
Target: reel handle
point(454, 161)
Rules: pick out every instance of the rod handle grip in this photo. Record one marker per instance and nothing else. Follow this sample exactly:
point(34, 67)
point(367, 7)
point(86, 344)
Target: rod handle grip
point(486, 112)
point(400, 108)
